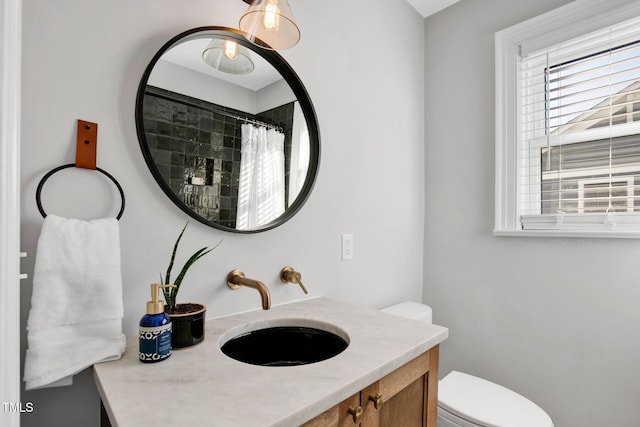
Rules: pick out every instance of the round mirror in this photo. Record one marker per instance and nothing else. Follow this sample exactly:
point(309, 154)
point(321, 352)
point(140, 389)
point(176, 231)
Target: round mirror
point(228, 130)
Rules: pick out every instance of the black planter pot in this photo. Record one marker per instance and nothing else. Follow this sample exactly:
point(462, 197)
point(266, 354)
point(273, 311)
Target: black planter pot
point(187, 329)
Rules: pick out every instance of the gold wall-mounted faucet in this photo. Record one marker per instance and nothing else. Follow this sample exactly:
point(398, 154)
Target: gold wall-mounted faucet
point(289, 275)
point(236, 278)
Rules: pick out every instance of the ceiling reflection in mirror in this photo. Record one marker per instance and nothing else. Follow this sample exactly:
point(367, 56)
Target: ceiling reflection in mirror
point(227, 130)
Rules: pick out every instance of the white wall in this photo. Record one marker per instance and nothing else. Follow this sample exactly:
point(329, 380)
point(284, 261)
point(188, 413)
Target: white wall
point(554, 319)
point(274, 95)
point(171, 76)
point(83, 59)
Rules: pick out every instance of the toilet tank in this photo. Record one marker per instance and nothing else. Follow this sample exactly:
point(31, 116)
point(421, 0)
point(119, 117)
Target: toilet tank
point(411, 310)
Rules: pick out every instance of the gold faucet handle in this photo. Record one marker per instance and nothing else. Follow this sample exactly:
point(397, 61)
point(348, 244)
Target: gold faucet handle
point(289, 275)
point(302, 287)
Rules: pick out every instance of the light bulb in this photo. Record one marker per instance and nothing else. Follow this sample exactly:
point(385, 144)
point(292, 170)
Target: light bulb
point(230, 49)
point(271, 16)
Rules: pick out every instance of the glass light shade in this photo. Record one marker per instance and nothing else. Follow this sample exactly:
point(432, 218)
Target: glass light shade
point(228, 56)
point(269, 24)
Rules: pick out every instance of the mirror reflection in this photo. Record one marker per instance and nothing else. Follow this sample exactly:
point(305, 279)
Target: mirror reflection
point(224, 133)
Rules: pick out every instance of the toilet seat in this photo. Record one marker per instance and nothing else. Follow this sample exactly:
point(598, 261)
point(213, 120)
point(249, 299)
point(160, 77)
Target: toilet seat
point(466, 400)
point(447, 419)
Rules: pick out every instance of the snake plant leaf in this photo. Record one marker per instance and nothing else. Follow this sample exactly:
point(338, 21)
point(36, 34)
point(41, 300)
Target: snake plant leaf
point(196, 256)
point(171, 293)
point(167, 276)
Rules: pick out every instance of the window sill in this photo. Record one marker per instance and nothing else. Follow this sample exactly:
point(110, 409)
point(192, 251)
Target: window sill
point(569, 233)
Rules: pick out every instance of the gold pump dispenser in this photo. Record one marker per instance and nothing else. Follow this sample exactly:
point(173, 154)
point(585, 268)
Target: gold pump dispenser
point(155, 329)
point(156, 306)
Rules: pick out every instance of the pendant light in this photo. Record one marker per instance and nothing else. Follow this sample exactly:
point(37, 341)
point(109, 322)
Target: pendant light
point(228, 56)
point(269, 24)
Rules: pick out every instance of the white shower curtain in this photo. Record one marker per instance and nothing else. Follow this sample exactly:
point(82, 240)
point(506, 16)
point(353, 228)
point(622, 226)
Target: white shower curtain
point(300, 146)
point(261, 187)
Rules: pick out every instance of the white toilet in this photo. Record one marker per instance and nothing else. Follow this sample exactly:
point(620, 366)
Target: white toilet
point(468, 401)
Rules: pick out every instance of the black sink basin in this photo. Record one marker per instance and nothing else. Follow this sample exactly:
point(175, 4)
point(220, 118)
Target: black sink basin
point(284, 346)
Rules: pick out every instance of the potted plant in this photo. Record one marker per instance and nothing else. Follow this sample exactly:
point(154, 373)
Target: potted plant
point(187, 319)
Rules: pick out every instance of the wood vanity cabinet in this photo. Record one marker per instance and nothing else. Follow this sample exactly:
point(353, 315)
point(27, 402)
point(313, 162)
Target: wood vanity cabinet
point(406, 397)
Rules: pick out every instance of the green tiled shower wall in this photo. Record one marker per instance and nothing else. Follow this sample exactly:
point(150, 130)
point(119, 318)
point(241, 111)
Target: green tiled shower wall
point(196, 149)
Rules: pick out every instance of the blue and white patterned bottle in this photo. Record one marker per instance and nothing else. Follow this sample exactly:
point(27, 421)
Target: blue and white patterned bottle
point(155, 329)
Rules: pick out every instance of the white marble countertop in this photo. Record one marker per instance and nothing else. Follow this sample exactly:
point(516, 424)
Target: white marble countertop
point(200, 385)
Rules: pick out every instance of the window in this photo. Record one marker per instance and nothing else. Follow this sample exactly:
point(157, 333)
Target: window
point(568, 122)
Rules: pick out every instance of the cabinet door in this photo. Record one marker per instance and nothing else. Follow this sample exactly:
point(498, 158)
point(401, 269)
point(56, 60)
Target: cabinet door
point(346, 414)
point(405, 408)
point(406, 397)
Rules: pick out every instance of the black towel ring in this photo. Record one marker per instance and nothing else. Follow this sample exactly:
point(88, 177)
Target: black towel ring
point(71, 165)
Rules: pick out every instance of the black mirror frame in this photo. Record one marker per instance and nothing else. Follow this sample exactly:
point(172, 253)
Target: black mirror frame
point(301, 95)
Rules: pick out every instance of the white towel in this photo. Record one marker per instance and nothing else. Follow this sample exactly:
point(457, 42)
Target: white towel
point(76, 307)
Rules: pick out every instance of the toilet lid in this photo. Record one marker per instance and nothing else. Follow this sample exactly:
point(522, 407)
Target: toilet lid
point(487, 404)
point(411, 310)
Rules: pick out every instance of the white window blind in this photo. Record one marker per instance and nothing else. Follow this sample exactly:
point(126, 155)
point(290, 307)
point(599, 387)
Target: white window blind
point(579, 132)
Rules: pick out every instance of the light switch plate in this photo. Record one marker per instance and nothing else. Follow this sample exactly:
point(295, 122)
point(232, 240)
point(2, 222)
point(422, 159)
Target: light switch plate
point(347, 247)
